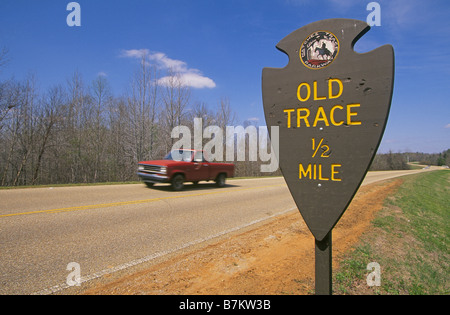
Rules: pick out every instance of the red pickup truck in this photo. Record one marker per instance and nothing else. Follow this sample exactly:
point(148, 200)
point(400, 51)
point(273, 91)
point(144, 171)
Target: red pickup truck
point(181, 166)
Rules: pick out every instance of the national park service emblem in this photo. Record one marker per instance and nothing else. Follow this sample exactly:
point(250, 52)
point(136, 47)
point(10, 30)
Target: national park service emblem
point(319, 49)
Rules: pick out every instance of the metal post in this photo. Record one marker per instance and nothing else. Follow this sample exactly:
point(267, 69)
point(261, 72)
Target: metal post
point(323, 266)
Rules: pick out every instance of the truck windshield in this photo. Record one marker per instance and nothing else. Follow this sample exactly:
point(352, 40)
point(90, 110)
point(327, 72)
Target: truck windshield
point(179, 155)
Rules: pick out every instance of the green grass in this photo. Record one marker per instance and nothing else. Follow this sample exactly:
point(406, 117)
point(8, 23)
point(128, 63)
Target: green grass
point(415, 166)
point(409, 239)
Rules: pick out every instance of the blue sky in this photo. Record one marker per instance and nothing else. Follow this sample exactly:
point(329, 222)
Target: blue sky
point(221, 47)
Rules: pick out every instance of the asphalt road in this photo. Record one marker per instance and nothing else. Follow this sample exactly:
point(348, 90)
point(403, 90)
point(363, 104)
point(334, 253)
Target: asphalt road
point(105, 229)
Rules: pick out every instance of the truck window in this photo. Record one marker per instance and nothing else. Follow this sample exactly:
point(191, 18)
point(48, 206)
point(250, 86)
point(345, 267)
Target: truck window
point(179, 155)
point(198, 157)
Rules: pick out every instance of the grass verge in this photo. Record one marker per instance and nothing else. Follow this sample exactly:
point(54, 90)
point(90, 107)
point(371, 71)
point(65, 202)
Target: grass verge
point(409, 239)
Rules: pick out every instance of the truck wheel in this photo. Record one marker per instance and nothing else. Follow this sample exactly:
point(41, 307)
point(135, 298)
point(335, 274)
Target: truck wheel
point(178, 182)
point(149, 185)
point(220, 180)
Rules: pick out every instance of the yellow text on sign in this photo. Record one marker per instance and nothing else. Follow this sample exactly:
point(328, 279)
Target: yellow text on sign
point(318, 172)
point(325, 148)
point(305, 117)
point(321, 116)
point(304, 90)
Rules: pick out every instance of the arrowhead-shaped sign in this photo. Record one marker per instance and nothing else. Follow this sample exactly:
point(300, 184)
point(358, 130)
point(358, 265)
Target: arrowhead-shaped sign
point(331, 105)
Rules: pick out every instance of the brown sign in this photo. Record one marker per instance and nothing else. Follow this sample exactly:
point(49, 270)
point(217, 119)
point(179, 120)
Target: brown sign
point(331, 105)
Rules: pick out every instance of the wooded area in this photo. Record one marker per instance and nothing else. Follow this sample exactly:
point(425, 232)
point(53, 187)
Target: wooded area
point(80, 132)
point(399, 161)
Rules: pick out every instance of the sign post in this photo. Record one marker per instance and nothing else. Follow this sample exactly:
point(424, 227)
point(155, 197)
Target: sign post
point(323, 270)
point(331, 105)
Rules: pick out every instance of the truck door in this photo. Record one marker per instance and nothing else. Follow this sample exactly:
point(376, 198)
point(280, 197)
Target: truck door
point(201, 167)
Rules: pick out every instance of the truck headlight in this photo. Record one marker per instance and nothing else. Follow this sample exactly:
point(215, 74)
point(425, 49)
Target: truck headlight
point(141, 167)
point(163, 170)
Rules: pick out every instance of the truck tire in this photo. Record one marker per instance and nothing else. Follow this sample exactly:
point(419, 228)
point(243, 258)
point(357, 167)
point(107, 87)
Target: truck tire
point(178, 182)
point(220, 180)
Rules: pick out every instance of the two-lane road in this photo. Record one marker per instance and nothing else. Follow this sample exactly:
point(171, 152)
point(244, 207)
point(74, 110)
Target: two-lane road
point(109, 228)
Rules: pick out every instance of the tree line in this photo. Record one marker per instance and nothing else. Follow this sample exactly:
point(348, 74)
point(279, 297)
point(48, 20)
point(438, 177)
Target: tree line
point(81, 132)
point(401, 161)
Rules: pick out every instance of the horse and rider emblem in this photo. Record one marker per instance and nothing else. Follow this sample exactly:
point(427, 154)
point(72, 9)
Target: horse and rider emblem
point(319, 49)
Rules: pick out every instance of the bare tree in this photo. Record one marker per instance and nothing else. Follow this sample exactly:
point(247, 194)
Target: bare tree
point(49, 114)
point(27, 128)
point(120, 161)
point(96, 128)
point(175, 99)
point(143, 103)
point(6, 103)
point(225, 114)
point(76, 108)
point(12, 121)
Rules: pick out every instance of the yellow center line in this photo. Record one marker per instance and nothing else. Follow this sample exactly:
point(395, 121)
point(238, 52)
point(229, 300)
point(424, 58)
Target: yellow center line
point(132, 202)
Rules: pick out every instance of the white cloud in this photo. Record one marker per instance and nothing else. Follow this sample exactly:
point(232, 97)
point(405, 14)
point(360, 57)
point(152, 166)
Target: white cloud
point(189, 78)
point(167, 63)
point(447, 126)
point(178, 69)
point(135, 53)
